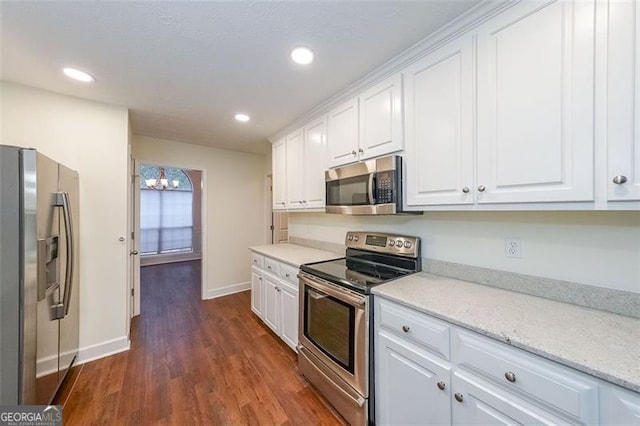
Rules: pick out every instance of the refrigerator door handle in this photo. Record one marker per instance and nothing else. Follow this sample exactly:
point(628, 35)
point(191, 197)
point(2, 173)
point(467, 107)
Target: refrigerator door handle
point(62, 200)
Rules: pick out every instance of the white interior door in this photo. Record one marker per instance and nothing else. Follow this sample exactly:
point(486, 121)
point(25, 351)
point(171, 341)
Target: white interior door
point(134, 263)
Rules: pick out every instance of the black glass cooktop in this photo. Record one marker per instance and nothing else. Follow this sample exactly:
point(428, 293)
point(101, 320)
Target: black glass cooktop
point(357, 273)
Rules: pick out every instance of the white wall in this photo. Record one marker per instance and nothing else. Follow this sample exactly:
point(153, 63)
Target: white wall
point(234, 198)
point(91, 138)
point(595, 248)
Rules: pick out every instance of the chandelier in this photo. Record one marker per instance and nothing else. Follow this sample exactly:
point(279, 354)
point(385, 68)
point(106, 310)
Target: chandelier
point(161, 182)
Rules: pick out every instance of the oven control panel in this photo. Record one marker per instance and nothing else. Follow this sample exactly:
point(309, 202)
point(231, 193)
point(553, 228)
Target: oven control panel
point(401, 245)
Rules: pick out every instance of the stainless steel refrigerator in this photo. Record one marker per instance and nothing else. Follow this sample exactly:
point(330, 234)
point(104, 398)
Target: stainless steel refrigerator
point(39, 321)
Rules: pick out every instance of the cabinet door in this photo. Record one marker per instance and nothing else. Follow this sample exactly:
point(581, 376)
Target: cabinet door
point(408, 383)
point(289, 324)
point(439, 126)
point(315, 160)
point(279, 172)
point(475, 402)
point(256, 291)
point(623, 100)
point(535, 103)
point(271, 313)
point(295, 170)
point(619, 406)
point(342, 139)
point(380, 118)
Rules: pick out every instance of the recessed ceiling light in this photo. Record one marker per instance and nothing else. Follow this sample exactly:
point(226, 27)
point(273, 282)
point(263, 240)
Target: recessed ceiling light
point(302, 55)
point(242, 117)
point(78, 75)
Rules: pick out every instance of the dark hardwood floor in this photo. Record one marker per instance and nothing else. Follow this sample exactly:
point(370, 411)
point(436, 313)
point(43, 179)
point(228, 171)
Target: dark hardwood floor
point(195, 362)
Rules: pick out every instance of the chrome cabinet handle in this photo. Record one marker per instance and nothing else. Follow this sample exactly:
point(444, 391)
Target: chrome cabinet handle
point(361, 151)
point(510, 376)
point(353, 152)
point(458, 397)
point(259, 278)
point(465, 189)
point(268, 267)
point(286, 275)
point(619, 180)
point(406, 328)
point(481, 188)
point(133, 252)
point(441, 385)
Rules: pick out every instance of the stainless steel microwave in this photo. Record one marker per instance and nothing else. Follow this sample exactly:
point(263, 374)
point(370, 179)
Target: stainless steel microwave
point(372, 187)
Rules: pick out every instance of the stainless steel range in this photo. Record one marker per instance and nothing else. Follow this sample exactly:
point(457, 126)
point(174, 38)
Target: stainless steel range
point(335, 330)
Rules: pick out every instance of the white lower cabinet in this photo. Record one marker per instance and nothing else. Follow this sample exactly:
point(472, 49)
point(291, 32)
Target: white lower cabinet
point(289, 315)
point(257, 291)
point(402, 369)
point(271, 303)
point(468, 378)
point(274, 296)
point(478, 403)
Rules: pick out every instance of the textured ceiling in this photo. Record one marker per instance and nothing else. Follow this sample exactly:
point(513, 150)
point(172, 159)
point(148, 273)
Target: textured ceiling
point(184, 68)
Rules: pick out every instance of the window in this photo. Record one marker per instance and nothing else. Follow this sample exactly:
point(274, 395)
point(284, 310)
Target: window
point(166, 216)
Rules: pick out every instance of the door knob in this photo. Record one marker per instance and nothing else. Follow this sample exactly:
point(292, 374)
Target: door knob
point(133, 252)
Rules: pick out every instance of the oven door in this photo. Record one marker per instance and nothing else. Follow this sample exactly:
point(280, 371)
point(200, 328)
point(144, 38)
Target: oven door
point(334, 328)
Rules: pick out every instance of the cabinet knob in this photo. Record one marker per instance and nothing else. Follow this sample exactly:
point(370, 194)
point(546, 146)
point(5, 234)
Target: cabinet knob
point(619, 180)
point(481, 188)
point(286, 275)
point(458, 397)
point(268, 267)
point(441, 385)
point(405, 328)
point(510, 376)
point(259, 278)
point(353, 152)
point(465, 189)
point(361, 151)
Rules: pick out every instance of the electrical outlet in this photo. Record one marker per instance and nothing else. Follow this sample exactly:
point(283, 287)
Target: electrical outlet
point(512, 248)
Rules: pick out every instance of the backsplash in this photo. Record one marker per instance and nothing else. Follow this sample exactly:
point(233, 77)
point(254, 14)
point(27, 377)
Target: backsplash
point(603, 299)
point(599, 249)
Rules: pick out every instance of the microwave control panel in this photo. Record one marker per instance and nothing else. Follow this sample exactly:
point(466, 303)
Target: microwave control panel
point(385, 187)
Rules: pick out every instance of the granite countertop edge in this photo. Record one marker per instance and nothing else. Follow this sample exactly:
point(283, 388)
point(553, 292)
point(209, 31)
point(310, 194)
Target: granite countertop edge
point(504, 338)
point(294, 254)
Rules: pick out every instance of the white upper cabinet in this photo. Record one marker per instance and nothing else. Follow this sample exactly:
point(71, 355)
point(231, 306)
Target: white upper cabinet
point(623, 101)
point(367, 126)
point(343, 134)
point(535, 104)
point(279, 173)
point(295, 169)
point(381, 118)
point(439, 126)
point(315, 164)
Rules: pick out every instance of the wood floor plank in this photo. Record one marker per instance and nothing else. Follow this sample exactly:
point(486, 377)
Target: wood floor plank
point(195, 362)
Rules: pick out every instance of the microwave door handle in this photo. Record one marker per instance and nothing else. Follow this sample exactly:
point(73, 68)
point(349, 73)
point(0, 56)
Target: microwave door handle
point(370, 188)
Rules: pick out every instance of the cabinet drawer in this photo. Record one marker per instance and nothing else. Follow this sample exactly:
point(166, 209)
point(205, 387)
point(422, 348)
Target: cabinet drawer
point(430, 333)
point(289, 274)
point(257, 260)
point(548, 384)
point(271, 265)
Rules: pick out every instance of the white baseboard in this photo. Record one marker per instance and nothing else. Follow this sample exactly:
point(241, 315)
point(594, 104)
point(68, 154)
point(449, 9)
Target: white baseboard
point(225, 291)
point(101, 350)
point(46, 366)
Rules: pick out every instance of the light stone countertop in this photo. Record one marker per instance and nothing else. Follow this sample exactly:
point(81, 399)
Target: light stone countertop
point(294, 254)
point(599, 343)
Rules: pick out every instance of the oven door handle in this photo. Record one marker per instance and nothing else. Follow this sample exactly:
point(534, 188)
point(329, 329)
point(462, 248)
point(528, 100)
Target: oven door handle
point(342, 295)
